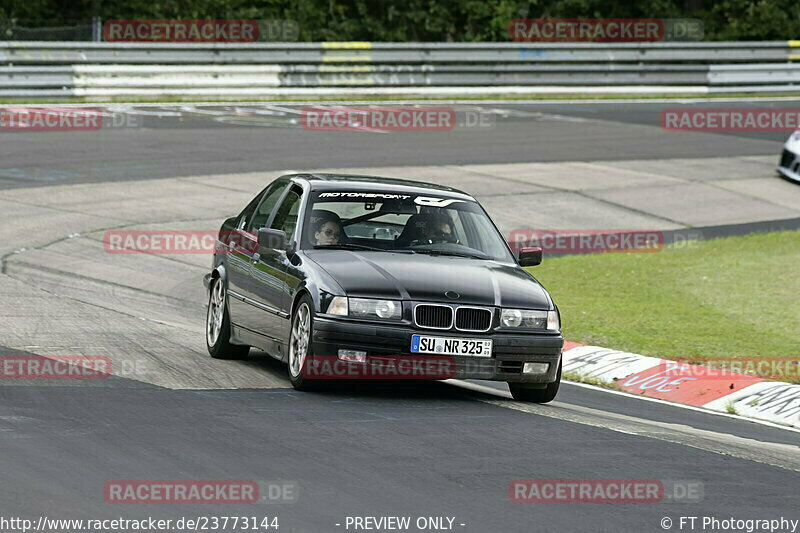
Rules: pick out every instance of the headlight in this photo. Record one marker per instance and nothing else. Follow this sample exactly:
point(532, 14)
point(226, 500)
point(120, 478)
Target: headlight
point(366, 308)
point(524, 318)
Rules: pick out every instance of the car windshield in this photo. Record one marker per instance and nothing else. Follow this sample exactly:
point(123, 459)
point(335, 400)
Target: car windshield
point(378, 221)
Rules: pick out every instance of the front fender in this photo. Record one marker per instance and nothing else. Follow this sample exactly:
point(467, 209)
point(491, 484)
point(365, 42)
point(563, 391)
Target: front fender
point(217, 272)
point(318, 284)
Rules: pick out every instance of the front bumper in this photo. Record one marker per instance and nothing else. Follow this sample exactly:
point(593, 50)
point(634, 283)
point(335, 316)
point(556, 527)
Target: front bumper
point(789, 165)
point(509, 352)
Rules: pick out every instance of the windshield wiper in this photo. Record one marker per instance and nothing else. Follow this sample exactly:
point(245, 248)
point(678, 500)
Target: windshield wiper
point(439, 252)
point(350, 246)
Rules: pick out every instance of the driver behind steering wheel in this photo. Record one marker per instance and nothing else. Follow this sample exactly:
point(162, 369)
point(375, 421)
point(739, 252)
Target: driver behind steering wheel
point(441, 231)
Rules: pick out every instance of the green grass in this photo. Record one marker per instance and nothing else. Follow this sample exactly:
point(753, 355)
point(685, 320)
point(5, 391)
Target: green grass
point(574, 376)
point(737, 297)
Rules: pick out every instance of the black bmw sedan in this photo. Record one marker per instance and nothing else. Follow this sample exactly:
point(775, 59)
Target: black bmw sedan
point(345, 277)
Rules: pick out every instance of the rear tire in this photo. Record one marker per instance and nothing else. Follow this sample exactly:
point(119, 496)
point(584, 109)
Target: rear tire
point(218, 325)
point(523, 392)
point(300, 345)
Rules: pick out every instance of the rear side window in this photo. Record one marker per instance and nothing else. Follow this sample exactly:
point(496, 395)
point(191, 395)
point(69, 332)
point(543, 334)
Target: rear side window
point(261, 215)
point(247, 214)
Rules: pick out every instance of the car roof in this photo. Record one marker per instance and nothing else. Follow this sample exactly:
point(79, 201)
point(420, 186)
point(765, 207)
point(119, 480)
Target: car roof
point(356, 182)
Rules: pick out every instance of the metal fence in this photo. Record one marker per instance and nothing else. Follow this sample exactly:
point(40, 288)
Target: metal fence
point(126, 70)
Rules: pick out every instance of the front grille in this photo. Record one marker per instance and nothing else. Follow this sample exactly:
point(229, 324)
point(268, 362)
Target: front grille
point(786, 159)
point(473, 319)
point(433, 316)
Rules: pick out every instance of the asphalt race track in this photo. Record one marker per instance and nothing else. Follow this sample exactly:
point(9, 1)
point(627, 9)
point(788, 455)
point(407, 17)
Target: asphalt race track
point(170, 412)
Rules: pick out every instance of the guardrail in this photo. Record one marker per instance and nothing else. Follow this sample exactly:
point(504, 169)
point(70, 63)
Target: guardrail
point(70, 69)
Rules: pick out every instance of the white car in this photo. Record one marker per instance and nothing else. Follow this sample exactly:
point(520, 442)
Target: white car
point(790, 158)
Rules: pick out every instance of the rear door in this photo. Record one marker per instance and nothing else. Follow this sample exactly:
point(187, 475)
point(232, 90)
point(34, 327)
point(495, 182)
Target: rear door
point(242, 247)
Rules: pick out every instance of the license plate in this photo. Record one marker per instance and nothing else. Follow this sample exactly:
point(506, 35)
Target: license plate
point(451, 346)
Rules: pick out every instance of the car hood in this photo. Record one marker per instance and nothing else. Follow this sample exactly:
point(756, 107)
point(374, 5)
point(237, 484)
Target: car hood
point(426, 278)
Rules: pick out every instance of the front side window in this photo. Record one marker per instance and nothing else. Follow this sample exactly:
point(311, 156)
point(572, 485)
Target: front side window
point(286, 215)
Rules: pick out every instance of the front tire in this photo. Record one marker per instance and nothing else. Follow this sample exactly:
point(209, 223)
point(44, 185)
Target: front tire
point(218, 325)
point(300, 345)
point(523, 392)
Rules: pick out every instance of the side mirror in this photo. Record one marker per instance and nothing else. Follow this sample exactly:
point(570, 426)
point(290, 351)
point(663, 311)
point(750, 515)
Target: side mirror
point(271, 239)
point(529, 257)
